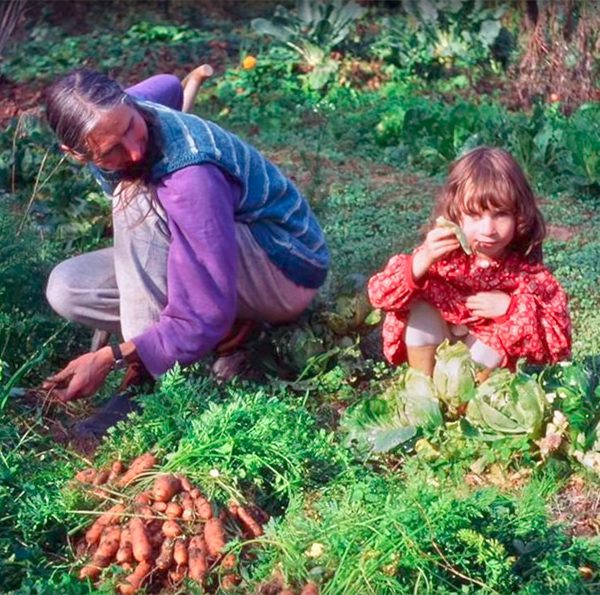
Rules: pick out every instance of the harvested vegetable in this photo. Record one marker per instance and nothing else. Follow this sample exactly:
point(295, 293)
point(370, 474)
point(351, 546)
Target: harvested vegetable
point(165, 558)
point(134, 581)
point(112, 515)
point(165, 487)
point(230, 581)
point(108, 546)
point(101, 477)
point(91, 571)
point(142, 550)
point(143, 498)
point(116, 469)
point(140, 465)
point(160, 506)
point(171, 529)
point(507, 404)
point(178, 574)
point(125, 551)
point(197, 563)
point(229, 561)
point(460, 234)
point(214, 534)
point(173, 510)
point(186, 486)
point(162, 541)
point(252, 528)
point(86, 475)
point(180, 551)
point(454, 374)
point(203, 507)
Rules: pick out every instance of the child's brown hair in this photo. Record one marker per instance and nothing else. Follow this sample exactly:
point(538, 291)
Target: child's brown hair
point(488, 178)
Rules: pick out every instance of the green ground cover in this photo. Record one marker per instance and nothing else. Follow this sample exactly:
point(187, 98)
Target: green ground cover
point(366, 119)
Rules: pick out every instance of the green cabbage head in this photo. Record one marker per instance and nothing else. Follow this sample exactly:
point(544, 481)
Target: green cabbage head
point(454, 373)
point(508, 405)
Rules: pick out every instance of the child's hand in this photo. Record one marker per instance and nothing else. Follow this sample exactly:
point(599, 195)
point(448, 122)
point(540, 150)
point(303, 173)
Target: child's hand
point(438, 242)
point(488, 304)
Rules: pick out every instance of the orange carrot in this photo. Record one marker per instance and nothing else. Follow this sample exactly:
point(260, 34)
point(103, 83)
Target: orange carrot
point(171, 529)
point(110, 517)
point(101, 477)
point(178, 574)
point(173, 510)
point(203, 507)
point(187, 503)
point(86, 475)
point(186, 486)
point(229, 562)
point(165, 557)
point(91, 571)
point(248, 523)
point(197, 564)
point(135, 579)
point(180, 551)
point(115, 470)
point(160, 506)
point(142, 550)
point(230, 581)
point(165, 487)
point(142, 464)
point(214, 534)
point(125, 551)
point(143, 498)
point(108, 546)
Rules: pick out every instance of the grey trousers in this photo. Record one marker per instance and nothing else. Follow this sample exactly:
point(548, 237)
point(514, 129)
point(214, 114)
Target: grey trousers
point(123, 289)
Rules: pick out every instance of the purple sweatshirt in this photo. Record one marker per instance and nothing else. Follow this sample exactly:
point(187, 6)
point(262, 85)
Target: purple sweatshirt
point(200, 202)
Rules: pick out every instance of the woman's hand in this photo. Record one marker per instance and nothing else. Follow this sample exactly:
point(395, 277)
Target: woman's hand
point(82, 377)
point(438, 242)
point(488, 304)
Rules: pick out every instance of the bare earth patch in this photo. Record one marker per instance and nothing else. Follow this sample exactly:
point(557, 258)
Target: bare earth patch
point(578, 508)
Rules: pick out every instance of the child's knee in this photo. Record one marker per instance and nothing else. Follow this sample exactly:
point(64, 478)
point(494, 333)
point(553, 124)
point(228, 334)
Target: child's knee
point(425, 326)
point(484, 355)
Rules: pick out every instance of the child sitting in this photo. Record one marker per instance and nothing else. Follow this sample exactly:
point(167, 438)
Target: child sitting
point(499, 299)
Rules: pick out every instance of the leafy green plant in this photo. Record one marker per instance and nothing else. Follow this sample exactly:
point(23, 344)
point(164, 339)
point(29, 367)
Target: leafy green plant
point(438, 35)
point(508, 404)
point(313, 30)
point(422, 534)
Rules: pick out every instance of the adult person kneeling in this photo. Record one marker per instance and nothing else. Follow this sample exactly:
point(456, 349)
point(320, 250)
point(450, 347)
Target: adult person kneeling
point(207, 232)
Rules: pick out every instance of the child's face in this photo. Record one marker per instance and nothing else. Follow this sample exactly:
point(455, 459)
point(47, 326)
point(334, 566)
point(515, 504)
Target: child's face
point(490, 232)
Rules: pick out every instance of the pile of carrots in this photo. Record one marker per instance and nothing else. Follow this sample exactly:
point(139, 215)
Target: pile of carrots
point(163, 535)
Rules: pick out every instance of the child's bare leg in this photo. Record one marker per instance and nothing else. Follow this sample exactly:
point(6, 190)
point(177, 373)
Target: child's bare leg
point(484, 356)
point(425, 330)
point(191, 83)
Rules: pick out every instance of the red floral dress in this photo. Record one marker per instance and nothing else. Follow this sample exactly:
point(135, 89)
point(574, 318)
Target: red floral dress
point(536, 326)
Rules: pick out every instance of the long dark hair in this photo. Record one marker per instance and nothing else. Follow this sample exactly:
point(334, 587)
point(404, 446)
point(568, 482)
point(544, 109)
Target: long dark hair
point(74, 105)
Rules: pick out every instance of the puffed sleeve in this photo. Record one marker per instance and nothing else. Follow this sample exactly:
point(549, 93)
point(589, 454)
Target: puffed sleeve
point(537, 325)
point(393, 288)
